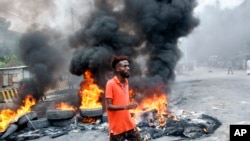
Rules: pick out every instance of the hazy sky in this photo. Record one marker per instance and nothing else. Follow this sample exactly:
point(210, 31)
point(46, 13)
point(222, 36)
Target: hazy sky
point(223, 30)
point(217, 20)
point(224, 4)
point(57, 13)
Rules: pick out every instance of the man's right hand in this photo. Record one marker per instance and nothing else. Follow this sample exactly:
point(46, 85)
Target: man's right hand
point(131, 106)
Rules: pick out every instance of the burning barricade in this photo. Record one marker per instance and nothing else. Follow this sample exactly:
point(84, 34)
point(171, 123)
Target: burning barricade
point(90, 95)
point(152, 116)
point(60, 122)
point(10, 119)
point(145, 30)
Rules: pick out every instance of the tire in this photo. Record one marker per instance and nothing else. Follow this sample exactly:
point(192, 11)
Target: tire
point(59, 114)
point(94, 112)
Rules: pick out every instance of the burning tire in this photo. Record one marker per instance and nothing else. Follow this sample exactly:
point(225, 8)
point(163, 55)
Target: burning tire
point(11, 129)
point(59, 114)
point(38, 124)
point(25, 118)
point(62, 123)
point(93, 112)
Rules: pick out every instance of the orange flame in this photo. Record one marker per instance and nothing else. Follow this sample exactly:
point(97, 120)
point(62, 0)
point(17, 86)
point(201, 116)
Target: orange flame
point(205, 130)
point(7, 115)
point(65, 106)
point(131, 95)
point(90, 92)
point(89, 120)
point(158, 101)
point(175, 118)
point(162, 121)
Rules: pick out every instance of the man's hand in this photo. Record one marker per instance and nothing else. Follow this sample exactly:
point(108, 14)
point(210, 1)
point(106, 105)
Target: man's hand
point(131, 106)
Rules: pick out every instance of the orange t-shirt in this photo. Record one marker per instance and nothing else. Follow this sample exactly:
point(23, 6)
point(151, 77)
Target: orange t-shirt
point(119, 121)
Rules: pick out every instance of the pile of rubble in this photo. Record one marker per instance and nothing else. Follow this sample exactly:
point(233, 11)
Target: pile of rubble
point(60, 122)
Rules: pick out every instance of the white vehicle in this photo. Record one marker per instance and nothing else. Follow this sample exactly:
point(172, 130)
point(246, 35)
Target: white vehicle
point(248, 67)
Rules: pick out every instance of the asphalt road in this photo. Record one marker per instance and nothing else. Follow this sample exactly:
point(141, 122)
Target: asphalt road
point(225, 97)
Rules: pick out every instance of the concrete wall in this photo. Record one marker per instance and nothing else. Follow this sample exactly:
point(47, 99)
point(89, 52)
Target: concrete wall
point(10, 77)
point(9, 82)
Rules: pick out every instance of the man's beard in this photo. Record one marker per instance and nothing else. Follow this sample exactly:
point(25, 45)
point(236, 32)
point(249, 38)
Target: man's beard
point(125, 75)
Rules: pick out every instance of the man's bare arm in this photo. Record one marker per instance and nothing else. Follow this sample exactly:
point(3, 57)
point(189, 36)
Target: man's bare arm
point(112, 107)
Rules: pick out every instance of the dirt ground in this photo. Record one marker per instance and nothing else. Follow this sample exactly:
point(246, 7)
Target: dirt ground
point(225, 97)
point(217, 94)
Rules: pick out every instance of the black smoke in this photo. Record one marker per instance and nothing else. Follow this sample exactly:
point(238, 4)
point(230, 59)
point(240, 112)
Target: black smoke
point(43, 60)
point(97, 43)
point(147, 29)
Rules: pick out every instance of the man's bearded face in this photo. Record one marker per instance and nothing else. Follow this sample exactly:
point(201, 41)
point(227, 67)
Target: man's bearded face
point(123, 68)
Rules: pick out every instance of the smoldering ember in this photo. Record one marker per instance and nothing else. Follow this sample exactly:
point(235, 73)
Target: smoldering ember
point(145, 30)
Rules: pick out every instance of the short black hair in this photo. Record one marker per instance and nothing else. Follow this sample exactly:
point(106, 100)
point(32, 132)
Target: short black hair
point(116, 59)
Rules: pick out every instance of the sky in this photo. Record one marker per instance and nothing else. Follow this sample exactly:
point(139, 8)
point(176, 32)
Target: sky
point(62, 14)
point(223, 4)
point(223, 31)
point(57, 13)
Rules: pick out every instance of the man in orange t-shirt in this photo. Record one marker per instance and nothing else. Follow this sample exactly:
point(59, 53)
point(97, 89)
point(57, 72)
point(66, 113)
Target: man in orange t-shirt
point(121, 125)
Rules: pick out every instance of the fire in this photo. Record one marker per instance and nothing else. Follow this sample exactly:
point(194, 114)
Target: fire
point(175, 118)
point(205, 130)
point(158, 101)
point(7, 115)
point(65, 106)
point(162, 121)
point(90, 92)
point(89, 120)
point(131, 95)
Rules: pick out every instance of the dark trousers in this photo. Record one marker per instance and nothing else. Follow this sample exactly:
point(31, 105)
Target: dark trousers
point(131, 135)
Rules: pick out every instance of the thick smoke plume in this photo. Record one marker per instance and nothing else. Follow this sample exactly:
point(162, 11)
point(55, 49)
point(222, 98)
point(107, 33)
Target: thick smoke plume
point(145, 30)
point(44, 62)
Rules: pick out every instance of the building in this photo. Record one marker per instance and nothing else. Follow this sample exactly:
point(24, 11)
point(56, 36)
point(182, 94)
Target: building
point(10, 77)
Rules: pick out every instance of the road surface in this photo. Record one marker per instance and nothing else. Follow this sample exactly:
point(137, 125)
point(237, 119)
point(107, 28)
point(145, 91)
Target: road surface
point(225, 97)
